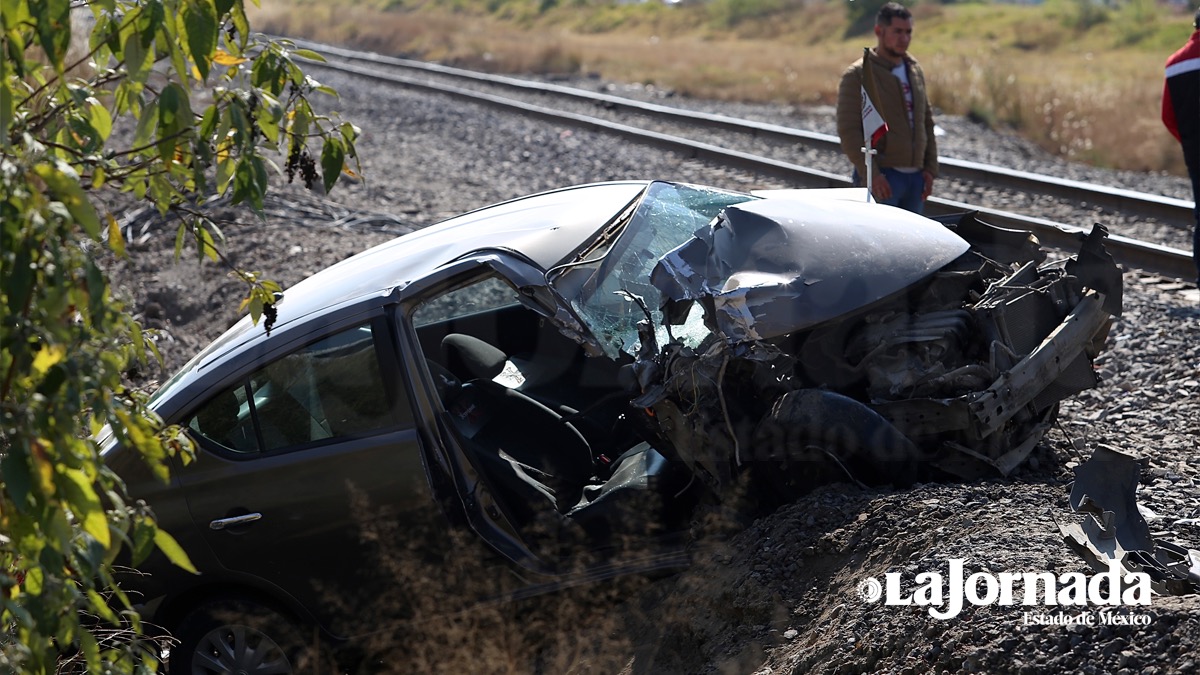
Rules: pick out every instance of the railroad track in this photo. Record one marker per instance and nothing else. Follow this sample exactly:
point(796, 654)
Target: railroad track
point(676, 129)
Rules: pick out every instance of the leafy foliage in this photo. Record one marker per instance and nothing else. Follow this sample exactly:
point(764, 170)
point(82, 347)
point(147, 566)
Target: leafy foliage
point(173, 102)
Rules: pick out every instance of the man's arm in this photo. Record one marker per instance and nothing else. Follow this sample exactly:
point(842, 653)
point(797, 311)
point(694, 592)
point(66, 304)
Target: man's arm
point(930, 168)
point(930, 161)
point(1168, 112)
point(849, 119)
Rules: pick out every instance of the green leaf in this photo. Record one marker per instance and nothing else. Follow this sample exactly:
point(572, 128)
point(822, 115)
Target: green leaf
point(256, 307)
point(53, 29)
point(6, 101)
point(218, 235)
point(208, 123)
point(301, 118)
point(296, 75)
point(243, 180)
point(224, 125)
point(333, 158)
point(161, 192)
point(168, 39)
point(85, 503)
point(139, 342)
point(265, 72)
point(98, 604)
point(91, 649)
point(150, 21)
point(137, 61)
point(225, 171)
point(116, 240)
point(11, 12)
point(47, 357)
point(100, 119)
point(17, 477)
point(241, 24)
point(35, 580)
point(180, 235)
point(20, 279)
point(64, 186)
point(146, 443)
point(241, 127)
point(147, 124)
point(167, 544)
point(143, 539)
point(174, 118)
point(260, 182)
point(54, 379)
point(207, 245)
point(200, 24)
point(309, 54)
point(268, 122)
point(97, 293)
point(201, 163)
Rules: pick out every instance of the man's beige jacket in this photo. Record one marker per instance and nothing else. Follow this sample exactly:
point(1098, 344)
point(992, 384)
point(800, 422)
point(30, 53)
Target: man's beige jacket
point(902, 146)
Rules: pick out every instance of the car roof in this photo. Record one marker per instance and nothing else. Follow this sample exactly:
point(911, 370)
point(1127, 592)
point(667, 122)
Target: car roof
point(545, 227)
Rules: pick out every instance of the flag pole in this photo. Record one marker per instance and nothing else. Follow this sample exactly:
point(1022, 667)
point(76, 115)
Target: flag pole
point(869, 152)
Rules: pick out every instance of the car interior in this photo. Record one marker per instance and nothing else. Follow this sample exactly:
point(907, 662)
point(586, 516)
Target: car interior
point(546, 426)
point(328, 390)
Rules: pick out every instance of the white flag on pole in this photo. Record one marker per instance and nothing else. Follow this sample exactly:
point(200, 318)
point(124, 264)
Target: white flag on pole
point(873, 125)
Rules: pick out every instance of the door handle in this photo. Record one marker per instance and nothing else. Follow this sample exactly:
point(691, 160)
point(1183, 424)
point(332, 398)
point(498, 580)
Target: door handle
point(223, 523)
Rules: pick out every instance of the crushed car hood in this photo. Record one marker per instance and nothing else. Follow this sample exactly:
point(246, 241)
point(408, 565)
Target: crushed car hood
point(775, 266)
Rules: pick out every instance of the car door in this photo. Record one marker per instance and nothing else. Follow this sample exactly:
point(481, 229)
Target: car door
point(309, 481)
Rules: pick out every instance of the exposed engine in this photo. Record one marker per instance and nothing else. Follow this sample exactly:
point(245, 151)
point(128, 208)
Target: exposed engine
point(961, 372)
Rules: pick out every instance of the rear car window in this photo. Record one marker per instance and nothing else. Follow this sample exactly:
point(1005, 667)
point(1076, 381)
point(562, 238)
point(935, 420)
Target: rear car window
point(329, 389)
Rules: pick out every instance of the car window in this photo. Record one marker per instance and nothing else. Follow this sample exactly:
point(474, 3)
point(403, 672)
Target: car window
point(226, 420)
point(329, 389)
point(489, 294)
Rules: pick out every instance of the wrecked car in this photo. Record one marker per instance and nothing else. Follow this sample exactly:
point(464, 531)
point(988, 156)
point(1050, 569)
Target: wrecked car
point(548, 391)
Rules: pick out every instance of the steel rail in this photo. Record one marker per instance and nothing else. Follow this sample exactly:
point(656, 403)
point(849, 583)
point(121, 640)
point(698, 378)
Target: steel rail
point(1151, 257)
point(1176, 212)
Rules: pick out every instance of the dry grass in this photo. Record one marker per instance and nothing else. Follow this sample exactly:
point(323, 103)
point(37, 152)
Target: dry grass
point(1110, 121)
point(1083, 83)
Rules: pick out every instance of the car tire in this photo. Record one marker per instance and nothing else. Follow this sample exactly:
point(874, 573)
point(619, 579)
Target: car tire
point(814, 437)
point(240, 636)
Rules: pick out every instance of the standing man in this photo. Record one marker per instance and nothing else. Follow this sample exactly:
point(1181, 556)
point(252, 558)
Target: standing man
point(906, 164)
point(1181, 114)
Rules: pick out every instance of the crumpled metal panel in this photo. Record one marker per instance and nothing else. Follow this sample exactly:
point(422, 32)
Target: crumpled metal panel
point(773, 267)
point(1105, 488)
point(1097, 269)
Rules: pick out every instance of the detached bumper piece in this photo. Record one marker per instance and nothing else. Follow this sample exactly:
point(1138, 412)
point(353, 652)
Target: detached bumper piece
point(1113, 528)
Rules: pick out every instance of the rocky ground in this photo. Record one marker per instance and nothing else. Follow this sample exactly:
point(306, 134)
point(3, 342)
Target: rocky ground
point(783, 595)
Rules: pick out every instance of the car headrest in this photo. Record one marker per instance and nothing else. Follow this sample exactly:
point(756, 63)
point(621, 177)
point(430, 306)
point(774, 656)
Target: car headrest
point(469, 357)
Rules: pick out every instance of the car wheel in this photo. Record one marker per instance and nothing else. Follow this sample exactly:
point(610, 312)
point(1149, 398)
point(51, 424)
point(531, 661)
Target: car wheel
point(236, 636)
point(814, 437)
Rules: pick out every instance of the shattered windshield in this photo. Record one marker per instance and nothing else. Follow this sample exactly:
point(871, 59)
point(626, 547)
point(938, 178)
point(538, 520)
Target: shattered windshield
point(667, 216)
